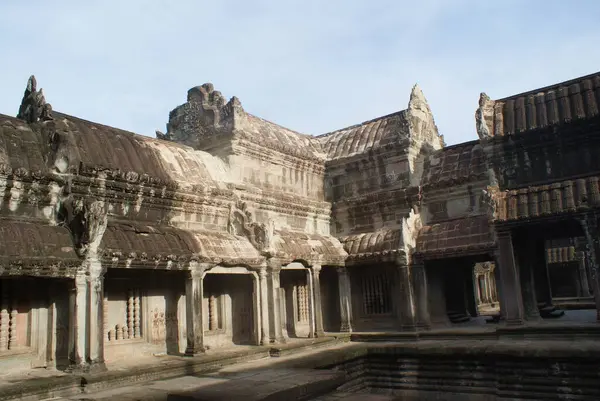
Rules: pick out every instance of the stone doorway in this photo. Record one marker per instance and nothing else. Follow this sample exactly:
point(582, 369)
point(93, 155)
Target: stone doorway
point(454, 289)
point(330, 299)
point(298, 296)
point(230, 307)
point(34, 323)
point(241, 305)
point(460, 293)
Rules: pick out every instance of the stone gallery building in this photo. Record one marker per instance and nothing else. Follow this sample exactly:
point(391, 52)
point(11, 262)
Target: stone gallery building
point(230, 229)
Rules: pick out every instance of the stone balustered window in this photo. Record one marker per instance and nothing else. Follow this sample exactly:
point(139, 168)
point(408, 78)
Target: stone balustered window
point(215, 312)
point(122, 317)
point(302, 303)
point(15, 319)
point(376, 293)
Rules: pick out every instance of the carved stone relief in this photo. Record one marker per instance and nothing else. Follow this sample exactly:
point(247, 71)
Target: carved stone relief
point(241, 222)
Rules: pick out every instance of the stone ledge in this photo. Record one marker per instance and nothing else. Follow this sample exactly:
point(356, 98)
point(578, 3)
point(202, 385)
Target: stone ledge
point(544, 331)
point(169, 367)
point(293, 347)
point(41, 388)
point(549, 331)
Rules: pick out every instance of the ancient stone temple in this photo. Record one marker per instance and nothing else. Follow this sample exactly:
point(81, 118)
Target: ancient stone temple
point(228, 229)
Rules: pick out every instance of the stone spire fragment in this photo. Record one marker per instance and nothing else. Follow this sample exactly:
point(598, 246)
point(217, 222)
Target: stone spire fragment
point(484, 116)
point(204, 116)
point(33, 106)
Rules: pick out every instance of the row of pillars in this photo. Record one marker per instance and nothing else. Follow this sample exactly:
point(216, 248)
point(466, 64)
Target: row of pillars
point(269, 313)
point(523, 277)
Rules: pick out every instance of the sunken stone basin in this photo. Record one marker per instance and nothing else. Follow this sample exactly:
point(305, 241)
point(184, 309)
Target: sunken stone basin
point(470, 370)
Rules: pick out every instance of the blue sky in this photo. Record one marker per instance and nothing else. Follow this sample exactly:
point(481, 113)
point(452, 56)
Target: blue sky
point(312, 66)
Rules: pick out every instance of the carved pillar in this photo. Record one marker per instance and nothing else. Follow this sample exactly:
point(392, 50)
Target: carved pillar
point(477, 288)
point(583, 276)
point(4, 315)
point(498, 288)
point(345, 300)
point(509, 277)
point(405, 297)
point(130, 331)
point(537, 256)
point(256, 308)
point(318, 306)
point(419, 282)
point(590, 227)
point(526, 276)
point(137, 314)
point(264, 306)
point(194, 294)
point(87, 320)
point(311, 303)
point(488, 286)
point(96, 322)
point(275, 309)
point(43, 339)
point(526, 259)
point(12, 337)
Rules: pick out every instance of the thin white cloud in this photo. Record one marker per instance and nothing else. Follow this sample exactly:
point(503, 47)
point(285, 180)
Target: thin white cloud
point(311, 65)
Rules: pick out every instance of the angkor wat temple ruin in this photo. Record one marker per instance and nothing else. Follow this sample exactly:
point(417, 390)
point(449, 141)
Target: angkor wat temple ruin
point(230, 229)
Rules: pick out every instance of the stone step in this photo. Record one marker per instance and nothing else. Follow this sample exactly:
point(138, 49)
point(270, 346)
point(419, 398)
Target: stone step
point(458, 317)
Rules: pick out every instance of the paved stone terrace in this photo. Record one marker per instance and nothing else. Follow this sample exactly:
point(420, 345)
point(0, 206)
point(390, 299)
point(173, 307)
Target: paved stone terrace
point(264, 379)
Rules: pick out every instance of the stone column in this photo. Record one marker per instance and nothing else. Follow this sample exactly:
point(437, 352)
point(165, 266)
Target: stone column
point(477, 288)
point(405, 297)
point(537, 261)
point(419, 282)
point(96, 322)
point(583, 276)
point(590, 228)
point(311, 304)
point(498, 288)
point(318, 306)
point(264, 306)
point(527, 279)
point(41, 325)
point(345, 300)
point(86, 342)
point(275, 321)
point(511, 287)
point(194, 297)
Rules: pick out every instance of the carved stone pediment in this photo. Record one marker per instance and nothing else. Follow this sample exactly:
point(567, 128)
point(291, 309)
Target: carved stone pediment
point(87, 221)
point(241, 223)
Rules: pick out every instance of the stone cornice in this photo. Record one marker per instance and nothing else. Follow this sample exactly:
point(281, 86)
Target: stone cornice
point(256, 151)
point(408, 196)
point(172, 262)
point(40, 267)
point(253, 142)
point(287, 203)
point(399, 149)
point(390, 256)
